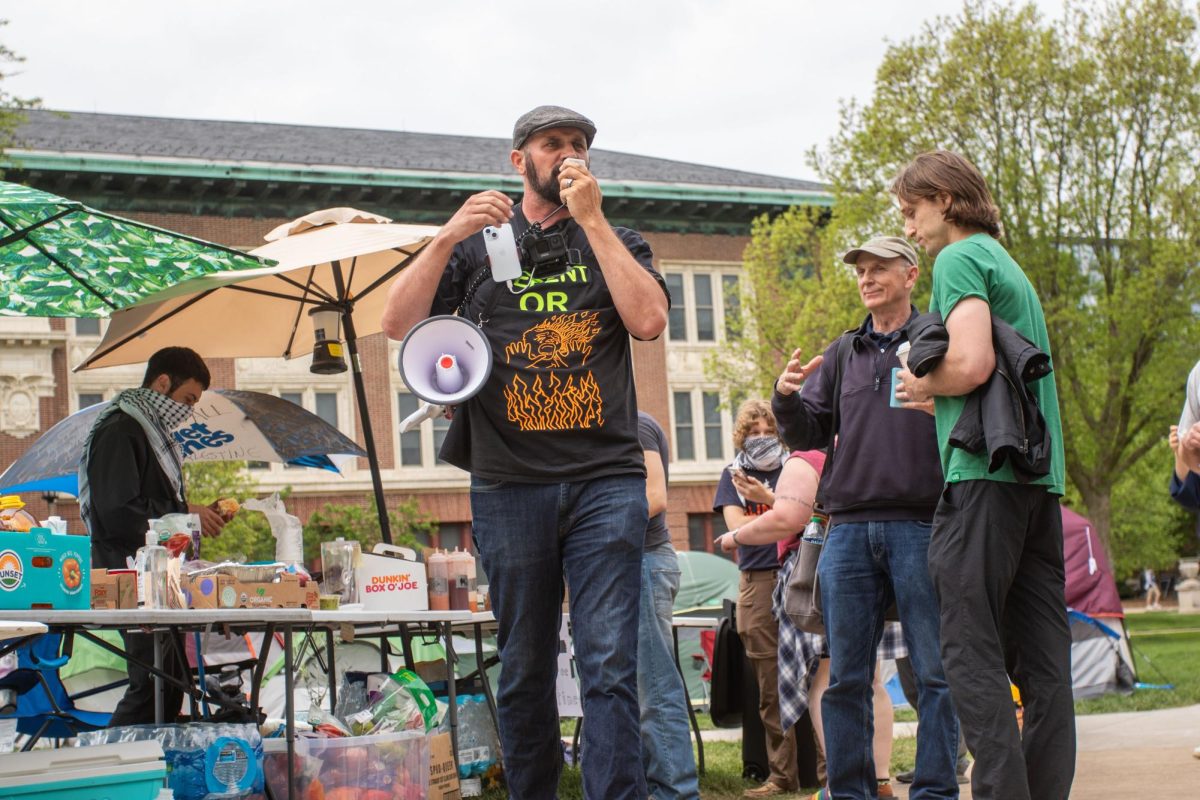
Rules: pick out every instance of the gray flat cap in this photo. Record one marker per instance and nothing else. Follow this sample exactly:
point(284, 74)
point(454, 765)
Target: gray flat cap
point(884, 247)
point(545, 117)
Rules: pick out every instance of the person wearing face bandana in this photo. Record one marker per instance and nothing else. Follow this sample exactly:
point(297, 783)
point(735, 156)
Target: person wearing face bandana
point(745, 491)
point(131, 472)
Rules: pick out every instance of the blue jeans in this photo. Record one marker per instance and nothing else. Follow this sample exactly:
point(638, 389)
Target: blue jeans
point(531, 537)
point(666, 739)
point(864, 567)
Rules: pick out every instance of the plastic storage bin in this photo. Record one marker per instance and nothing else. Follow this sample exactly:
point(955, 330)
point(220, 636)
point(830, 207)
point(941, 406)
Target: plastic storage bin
point(387, 766)
point(125, 771)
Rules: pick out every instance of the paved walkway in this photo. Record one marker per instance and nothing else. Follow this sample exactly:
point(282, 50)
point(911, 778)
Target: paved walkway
point(1131, 754)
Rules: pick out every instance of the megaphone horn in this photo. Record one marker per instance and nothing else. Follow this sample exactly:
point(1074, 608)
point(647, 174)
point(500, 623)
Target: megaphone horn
point(445, 360)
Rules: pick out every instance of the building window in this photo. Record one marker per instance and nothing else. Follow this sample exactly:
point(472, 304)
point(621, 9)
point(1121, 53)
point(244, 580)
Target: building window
point(699, 420)
point(702, 530)
point(733, 305)
point(87, 327)
point(685, 435)
point(714, 441)
point(420, 447)
point(441, 426)
point(326, 404)
point(703, 291)
point(87, 399)
point(410, 443)
point(704, 300)
point(677, 317)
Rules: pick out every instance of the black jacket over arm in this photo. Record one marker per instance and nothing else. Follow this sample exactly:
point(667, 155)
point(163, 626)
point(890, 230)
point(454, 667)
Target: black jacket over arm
point(1000, 416)
point(128, 487)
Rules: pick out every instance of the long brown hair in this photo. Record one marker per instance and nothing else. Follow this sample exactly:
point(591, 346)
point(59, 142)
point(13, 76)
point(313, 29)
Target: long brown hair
point(943, 172)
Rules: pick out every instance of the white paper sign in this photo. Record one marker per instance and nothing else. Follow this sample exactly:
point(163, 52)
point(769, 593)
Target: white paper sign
point(569, 702)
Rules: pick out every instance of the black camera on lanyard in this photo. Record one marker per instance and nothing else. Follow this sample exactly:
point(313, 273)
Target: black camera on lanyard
point(546, 253)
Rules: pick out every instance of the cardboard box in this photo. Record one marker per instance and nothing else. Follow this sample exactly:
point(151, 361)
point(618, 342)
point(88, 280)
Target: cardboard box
point(225, 591)
point(443, 771)
point(113, 589)
point(43, 569)
point(391, 579)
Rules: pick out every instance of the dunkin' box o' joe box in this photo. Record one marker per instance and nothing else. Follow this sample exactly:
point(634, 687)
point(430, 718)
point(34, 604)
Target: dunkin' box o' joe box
point(391, 579)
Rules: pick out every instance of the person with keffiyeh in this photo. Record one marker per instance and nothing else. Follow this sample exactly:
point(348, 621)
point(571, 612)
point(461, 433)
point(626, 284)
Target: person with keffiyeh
point(131, 472)
point(744, 492)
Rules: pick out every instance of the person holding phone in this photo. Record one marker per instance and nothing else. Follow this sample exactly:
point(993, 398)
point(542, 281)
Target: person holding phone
point(553, 434)
point(744, 492)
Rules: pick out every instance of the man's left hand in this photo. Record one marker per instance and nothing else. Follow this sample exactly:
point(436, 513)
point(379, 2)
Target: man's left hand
point(580, 191)
point(913, 392)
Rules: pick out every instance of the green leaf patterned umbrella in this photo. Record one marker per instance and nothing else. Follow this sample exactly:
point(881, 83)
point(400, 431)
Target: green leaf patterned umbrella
point(59, 258)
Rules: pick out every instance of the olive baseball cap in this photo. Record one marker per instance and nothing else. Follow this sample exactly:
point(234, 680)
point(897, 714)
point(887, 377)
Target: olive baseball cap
point(545, 117)
point(884, 247)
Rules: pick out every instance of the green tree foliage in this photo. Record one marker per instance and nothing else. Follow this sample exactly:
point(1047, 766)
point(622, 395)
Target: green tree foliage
point(11, 107)
point(795, 293)
point(360, 522)
point(247, 536)
point(1086, 129)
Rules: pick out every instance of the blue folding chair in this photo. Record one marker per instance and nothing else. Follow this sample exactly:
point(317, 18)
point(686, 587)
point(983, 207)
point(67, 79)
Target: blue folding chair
point(44, 708)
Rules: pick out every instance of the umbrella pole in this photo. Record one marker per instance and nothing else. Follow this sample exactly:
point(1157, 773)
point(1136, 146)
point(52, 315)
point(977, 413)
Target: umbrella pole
point(360, 392)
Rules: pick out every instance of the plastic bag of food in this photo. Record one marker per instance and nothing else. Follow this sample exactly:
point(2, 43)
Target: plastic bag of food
point(398, 702)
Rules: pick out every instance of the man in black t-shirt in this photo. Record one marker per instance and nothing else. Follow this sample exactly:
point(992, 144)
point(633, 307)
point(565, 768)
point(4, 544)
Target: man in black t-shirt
point(551, 442)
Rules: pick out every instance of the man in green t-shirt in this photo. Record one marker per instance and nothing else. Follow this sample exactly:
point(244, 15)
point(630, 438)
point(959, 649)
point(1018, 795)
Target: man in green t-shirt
point(996, 553)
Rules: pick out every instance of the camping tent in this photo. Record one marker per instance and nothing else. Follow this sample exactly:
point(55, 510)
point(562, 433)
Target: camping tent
point(1101, 661)
point(705, 582)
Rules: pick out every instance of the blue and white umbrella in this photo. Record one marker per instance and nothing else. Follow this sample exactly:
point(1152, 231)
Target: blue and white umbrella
point(226, 425)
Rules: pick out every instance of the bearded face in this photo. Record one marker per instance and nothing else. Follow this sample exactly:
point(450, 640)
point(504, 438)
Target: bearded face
point(546, 186)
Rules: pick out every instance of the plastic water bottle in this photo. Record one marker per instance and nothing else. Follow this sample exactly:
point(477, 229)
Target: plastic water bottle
point(151, 565)
point(815, 530)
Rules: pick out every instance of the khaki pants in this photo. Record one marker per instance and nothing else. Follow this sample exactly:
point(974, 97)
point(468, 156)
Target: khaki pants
point(760, 637)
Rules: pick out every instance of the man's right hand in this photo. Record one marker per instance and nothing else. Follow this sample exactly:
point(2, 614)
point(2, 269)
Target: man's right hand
point(479, 211)
point(211, 522)
point(794, 374)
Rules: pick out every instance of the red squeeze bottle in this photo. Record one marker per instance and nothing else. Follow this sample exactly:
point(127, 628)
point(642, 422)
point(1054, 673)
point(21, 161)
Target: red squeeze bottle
point(439, 581)
point(460, 599)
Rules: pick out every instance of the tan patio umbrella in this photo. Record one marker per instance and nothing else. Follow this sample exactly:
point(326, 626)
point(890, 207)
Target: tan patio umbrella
point(339, 259)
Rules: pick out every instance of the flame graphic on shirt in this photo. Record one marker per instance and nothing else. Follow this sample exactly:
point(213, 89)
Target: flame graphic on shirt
point(551, 402)
point(554, 404)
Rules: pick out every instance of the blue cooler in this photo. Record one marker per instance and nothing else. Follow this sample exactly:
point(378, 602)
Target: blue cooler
point(44, 569)
point(125, 771)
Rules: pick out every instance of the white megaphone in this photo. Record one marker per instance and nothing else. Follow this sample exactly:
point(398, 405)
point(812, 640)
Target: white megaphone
point(445, 360)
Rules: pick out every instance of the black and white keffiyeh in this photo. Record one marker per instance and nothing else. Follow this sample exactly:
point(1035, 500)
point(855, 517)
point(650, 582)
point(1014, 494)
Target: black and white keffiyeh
point(760, 453)
point(158, 415)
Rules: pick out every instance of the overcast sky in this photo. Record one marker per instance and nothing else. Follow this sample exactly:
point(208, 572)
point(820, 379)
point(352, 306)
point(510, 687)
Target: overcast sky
point(744, 84)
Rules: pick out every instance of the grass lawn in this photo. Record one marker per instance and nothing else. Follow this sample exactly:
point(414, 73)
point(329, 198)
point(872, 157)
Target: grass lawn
point(1163, 642)
point(723, 776)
